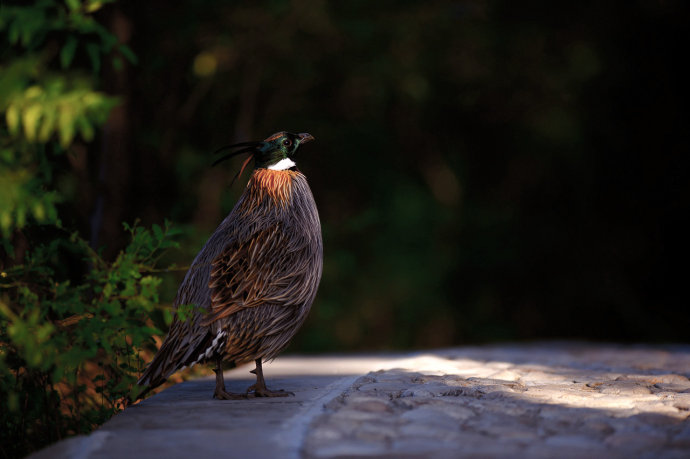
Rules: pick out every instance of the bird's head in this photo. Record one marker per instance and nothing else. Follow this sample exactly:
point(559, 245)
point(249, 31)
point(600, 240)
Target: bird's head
point(276, 152)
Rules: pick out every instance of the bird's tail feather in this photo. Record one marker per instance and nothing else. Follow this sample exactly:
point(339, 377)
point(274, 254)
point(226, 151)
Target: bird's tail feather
point(169, 359)
point(155, 373)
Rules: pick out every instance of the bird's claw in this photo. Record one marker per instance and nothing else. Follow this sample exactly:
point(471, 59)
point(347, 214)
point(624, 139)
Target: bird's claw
point(225, 395)
point(254, 392)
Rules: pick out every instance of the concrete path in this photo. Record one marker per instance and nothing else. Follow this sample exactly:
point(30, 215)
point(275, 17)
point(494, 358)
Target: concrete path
point(543, 400)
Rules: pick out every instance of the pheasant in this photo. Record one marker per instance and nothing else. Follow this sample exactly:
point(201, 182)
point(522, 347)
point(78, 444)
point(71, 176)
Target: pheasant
point(254, 281)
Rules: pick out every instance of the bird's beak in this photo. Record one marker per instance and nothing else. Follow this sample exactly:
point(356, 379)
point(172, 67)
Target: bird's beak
point(304, 137)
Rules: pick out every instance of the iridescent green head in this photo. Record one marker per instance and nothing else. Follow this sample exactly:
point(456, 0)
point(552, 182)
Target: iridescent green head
point(276, 152)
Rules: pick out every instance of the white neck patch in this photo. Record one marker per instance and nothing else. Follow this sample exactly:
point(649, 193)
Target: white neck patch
point(283, 164)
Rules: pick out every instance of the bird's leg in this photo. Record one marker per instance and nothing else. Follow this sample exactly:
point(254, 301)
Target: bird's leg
point(260, 389)
point(220, 392)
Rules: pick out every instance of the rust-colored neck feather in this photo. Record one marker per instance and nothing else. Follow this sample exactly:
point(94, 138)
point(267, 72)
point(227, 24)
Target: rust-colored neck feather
point(275, 184)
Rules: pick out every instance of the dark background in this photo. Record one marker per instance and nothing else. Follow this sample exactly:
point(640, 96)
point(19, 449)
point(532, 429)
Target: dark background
point(484, 170)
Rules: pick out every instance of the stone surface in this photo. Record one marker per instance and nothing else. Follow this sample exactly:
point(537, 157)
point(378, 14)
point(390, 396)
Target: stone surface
point(543, 400)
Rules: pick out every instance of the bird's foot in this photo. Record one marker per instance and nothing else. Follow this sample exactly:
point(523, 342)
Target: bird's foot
point(219, 392)
point(263, 391)
point(225, 395)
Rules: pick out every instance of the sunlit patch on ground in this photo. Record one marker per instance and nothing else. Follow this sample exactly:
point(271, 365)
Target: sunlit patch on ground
point(538, 401)
point(543, 400)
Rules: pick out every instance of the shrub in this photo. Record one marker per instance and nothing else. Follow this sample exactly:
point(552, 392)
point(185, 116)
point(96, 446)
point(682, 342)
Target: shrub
point(70, 351)
point(72, 324)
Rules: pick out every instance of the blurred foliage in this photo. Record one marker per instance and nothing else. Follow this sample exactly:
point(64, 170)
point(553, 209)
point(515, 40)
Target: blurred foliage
point(41, 102)
point(72, 323)
point(70, 349)
point(484, 169)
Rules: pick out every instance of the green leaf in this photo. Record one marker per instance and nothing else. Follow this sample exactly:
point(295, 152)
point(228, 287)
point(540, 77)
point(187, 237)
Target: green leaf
point(39, 211)
point(33, 92)
point(85, 128)
point(44, 332)
point(129, 54)
point(157, 231)
point(12, 117)
point(48, 124)
point(112, 307)
point(73, 5)
point(67, 52)
point(93, 6)
point(30, 119)
point(66, 125)
point(20, 212)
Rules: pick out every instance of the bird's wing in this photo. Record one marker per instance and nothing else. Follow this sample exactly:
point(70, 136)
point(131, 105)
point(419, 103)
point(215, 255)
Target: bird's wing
point(269, 267)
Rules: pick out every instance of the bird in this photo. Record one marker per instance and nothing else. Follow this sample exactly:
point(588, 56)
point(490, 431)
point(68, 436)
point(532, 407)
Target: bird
point(251, 286)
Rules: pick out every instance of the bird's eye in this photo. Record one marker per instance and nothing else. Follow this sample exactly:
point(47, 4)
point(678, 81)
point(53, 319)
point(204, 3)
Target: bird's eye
point(287, 142)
